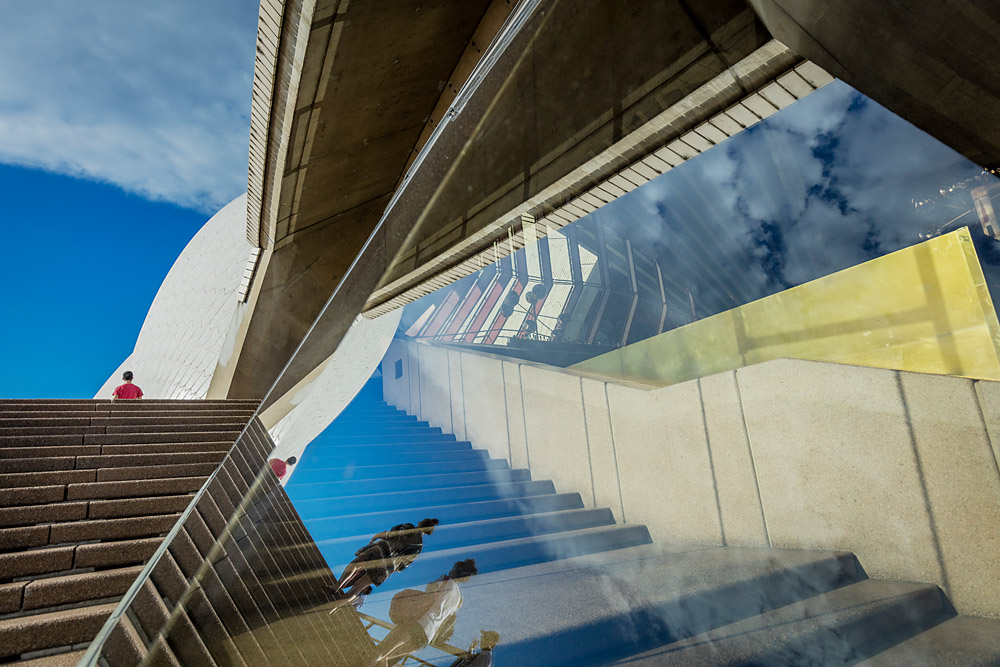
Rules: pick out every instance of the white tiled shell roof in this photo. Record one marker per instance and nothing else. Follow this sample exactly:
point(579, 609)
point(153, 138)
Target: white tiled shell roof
point(345, 372)
point(179, 343)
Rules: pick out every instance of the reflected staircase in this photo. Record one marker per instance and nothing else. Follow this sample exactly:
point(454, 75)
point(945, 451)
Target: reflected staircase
point(564, 584)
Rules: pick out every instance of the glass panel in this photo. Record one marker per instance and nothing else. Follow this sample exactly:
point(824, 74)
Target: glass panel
point(828, 183)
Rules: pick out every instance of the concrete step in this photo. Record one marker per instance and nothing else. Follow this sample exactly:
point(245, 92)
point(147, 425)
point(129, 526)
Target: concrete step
point(355, 472)
point(201, 425)
point(324, 527)
point(65, 659)
point(9, 452)
point(167, 448)
point(472, 533)
point(79, 531)
point(838, 627)
point(350, 420)
point(54, 629)
point(508, 554)
point(383, 502)
point(32, 495)
point(173, 436)
point(132, 489)
point(117, 438)
point(387, 452)
point(386, 437)
point(331, 460)
point(156, 472)
point(23, 479)
point(603, 607)
point(38, 464)
point(379, 425)
point(7, 423)
point(31, 596)
point(300, 492)
point(962, 640)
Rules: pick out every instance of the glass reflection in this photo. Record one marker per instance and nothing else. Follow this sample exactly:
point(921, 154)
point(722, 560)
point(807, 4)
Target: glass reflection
point(828, 183)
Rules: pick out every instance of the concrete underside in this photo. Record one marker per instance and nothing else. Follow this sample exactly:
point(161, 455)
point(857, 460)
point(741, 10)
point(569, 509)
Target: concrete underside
point(371, 76)
point(546, 107)
point(933, 63)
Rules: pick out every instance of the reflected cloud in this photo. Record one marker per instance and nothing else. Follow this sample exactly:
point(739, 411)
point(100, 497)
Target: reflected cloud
point(830, 182)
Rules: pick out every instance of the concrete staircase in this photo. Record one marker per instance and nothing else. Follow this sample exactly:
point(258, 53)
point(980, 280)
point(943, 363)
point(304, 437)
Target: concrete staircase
point(87, 491)
point(565, 584)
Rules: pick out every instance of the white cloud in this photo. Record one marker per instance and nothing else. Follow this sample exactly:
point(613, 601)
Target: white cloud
point(151, 97)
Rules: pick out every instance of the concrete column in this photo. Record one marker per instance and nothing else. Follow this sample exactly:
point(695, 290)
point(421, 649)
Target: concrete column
point(513, 400)
point(603, 459)
point(486, 413)
point(739, 498)
point(665, 464)
point(556, 430)
point(396, 391)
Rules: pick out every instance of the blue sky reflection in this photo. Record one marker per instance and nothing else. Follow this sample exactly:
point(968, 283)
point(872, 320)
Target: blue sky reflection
point(832, 181)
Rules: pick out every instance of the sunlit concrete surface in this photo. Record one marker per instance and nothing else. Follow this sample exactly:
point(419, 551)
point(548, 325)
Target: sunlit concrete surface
point(897, 467)
point(178, 347)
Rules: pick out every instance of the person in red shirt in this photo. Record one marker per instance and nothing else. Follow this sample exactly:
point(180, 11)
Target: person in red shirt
point(127, 390)
point(280, 467)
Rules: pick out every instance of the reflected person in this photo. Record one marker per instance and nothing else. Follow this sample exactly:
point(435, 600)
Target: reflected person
point(423, 617)
point(486, 642)
point(387, 552)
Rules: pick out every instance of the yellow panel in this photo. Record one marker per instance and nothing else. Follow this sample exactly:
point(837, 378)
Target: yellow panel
point(925, 308)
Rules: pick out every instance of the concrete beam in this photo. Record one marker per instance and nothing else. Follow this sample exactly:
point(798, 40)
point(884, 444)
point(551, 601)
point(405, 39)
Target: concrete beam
point(369, 75)
point(933, 63)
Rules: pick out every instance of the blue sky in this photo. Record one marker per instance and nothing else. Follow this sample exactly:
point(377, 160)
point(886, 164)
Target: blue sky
point(123, 127)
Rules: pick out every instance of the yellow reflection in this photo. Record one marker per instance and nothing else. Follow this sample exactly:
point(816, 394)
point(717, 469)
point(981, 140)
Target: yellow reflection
point(925, 308)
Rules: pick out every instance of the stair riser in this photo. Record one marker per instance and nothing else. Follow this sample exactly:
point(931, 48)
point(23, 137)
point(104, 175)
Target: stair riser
point(351, 473)
point(498, 557)
point(379, 439)
point(104, 419)
point(338, 489)
point(867, 635)
point(473, 534)
point(89, 462)
point(323, 527)
point(383, 453)
point(394, 501)
point(332, 461)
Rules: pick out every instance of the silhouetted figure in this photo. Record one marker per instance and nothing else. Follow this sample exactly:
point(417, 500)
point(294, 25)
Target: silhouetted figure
point(280, 467)
point(387, 552)
point(127, 391)
point(423, 617)
point(486, 642)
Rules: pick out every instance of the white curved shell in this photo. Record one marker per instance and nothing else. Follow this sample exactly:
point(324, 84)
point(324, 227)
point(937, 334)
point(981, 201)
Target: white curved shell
point(343, 375)
point(179, 344)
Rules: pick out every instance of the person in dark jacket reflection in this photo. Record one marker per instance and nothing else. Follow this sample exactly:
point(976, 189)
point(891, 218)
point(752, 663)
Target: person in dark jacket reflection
point(387, 552)
point(486, 642)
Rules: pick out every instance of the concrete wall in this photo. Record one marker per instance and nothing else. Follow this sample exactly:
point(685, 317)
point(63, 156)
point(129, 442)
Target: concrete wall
point(899, 468)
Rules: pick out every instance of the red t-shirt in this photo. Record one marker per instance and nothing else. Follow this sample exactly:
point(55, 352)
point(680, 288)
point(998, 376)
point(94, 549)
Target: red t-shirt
point(279, 467)
point(127, 391)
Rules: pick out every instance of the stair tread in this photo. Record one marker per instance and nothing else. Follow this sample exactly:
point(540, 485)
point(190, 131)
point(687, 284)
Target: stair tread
point(836, 627)
point(962, 640)
point(35, 632)
point(631, 596)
